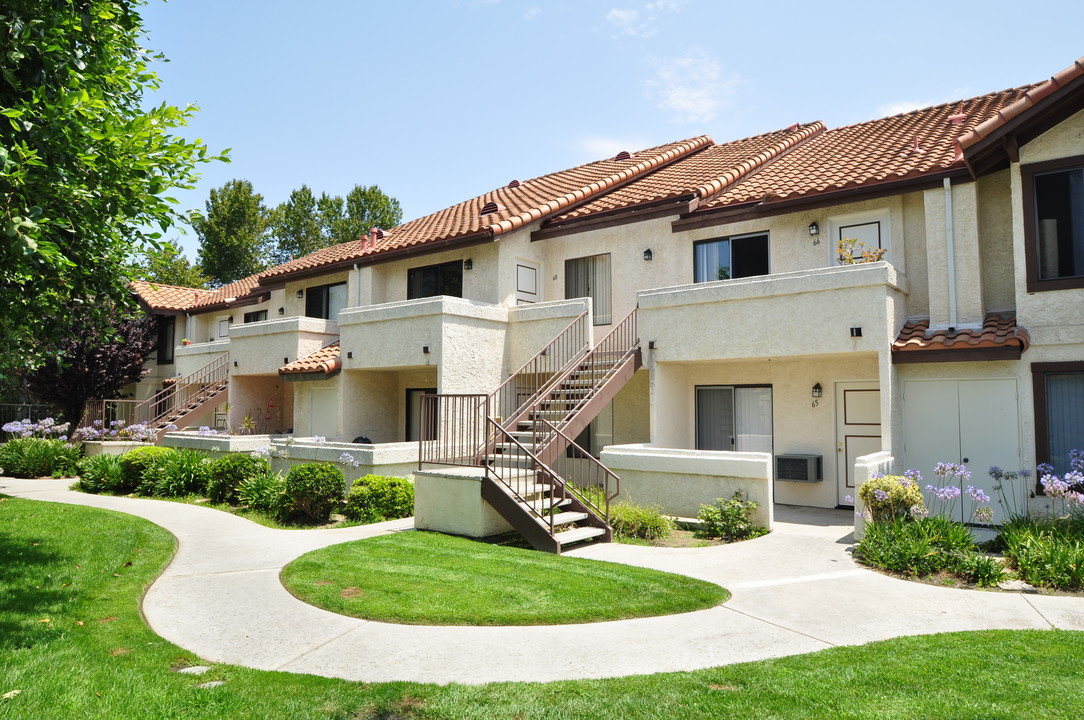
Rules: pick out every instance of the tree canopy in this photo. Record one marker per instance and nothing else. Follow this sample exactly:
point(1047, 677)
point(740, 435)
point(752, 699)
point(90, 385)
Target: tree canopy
point(240, 236)
point(85, 168)
point(168, 265)
point(233, 233)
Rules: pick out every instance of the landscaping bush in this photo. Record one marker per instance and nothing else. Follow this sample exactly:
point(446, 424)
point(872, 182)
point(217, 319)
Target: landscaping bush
point(918, 547)
point(640, 521)
point(100, 473)
point(375, 498)
point(982, 570)
point(174, 474)
point(135, 461)
point(227, 472)
point(263, 493)
point(890, 496)
point(1046, 553)
point(31, 457)
point(314, 490)
point(729, 519)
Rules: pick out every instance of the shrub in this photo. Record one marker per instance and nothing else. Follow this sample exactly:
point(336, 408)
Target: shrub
point(174, 474)
point(100, 473)
point(31, 457)
point(135, 461)
point(263, 493)
point(1046, 553)
point(314, 490)
point(890, 496)
point(729, 519)
point(227, 472)
point(918, 547)
point(640, 521)
point(374, 498)
point(982, 570)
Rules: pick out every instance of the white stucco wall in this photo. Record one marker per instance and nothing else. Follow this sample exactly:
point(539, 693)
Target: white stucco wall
point(189, 359)
point(450, 500)
point(679, 481)
point(262, 348)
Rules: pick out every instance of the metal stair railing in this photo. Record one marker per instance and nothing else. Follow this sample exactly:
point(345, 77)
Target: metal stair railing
point(588, 478)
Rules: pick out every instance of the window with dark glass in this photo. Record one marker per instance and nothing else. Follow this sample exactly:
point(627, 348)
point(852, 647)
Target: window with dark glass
point(325, 301)
point(731, 257)
point(590, 277)
point(1059, 411)
point(1054, 223)
point(735, 418)
point(432, 280)
point(167, 326)
point(256, 316)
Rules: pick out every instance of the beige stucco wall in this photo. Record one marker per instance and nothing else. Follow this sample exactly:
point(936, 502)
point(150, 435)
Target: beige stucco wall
point(374, 401)
point(996, 243)
point(193, 357)
point(450, 500)
point(261, 396)
point(798, 426)
point(262, 348)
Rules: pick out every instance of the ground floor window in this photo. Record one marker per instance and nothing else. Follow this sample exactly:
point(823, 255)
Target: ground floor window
point(737, 418)
point(1059, 411)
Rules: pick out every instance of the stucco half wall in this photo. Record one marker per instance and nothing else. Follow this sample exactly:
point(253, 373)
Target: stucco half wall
point(680, 481)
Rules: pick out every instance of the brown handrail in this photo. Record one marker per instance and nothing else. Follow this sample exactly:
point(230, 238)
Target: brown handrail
point(597, 476)
point(533, 376)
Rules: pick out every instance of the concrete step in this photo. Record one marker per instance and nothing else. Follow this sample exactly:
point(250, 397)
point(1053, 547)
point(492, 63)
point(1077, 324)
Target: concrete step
point(564, 518)
point(575, 535)
point(541, 506)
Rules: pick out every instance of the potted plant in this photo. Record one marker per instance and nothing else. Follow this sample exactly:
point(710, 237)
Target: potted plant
point(186, 342)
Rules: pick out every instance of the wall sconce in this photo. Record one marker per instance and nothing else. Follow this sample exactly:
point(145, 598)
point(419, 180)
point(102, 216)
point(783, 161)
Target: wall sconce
point(282, 311)
point(286, 361)
point(648, 255)
point(650, 344)
point(350, 355)
point(856, 332)
point(468, 264)
point(230, 319)
point(235, 363)
point(814, 229)
point(425, 349)
point(817, 390)
point(300, 294)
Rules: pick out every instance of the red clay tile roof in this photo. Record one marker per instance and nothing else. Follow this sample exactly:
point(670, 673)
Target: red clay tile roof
point(913, 144)
point(325, 360)
point(701, 174)
point(520, 205)
point(157, 296)
point(998, 331)
point(1030, 99)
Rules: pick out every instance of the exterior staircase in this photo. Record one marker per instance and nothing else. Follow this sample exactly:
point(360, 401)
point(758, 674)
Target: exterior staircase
point(521, 432)
point(189, 400)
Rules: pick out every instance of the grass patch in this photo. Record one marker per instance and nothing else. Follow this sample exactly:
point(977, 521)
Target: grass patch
point(422, 578)
point(112, 666)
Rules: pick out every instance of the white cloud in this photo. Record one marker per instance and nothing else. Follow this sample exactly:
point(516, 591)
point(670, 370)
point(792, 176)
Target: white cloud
point(596, 147)
point(627, 22)
point(531, 13)
point(692, 87)
point(667, 5)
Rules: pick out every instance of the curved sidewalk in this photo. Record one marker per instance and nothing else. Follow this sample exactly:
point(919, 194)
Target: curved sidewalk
point(794, 591)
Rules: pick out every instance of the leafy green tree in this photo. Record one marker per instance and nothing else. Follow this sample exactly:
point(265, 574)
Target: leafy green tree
point(168, 265)
point(233, 233)
point(367, 207)
point(296, 226)
point(85, 167)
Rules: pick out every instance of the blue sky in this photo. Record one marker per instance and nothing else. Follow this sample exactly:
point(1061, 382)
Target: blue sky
point(442, 100)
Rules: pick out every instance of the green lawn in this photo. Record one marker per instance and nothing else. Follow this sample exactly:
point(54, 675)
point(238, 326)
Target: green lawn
point(424, 578)
point(93, 657)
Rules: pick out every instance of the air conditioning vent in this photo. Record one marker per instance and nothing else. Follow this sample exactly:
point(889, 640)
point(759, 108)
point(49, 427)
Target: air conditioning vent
point(798, 468)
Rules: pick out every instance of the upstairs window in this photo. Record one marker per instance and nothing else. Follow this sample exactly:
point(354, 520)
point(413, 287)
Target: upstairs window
point(256, 316)
point(1054, 223)
point(730, 257)
point(432, 280)
point(325, 301)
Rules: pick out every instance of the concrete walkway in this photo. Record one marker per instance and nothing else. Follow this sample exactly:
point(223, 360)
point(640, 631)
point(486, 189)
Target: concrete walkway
point(794, 591)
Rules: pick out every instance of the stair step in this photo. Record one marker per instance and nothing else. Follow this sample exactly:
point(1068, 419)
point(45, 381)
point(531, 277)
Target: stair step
point(564, 518)
point(541, 506)
point(567, 537)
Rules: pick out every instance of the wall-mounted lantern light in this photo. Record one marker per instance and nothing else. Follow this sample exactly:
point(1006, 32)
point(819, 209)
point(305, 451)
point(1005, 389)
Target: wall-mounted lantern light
point(425, 349)
point(648, 255)
point(300, 294)
point(282, 311)
point(817, 390)
point(230, 319)
point(814, 229)
point(468, 264)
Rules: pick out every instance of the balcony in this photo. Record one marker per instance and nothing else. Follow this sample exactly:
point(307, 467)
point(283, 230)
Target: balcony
point(810, 312)
point(190, 358)
point(472, 344)
point(261, 348)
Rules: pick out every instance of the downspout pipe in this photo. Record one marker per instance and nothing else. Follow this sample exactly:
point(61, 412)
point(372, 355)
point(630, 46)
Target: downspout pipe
point(950, 252)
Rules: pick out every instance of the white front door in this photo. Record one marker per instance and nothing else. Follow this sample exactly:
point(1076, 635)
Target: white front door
point(324, 413)
point(858, 431)
point(974, 422)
